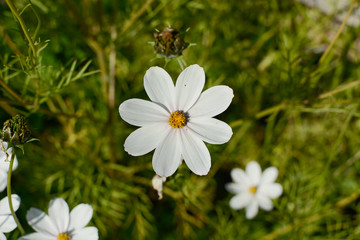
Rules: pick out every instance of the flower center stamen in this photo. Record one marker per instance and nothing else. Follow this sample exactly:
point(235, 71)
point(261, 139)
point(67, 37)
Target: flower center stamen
point(178, 119)
point(63, 236)
point(252, 190)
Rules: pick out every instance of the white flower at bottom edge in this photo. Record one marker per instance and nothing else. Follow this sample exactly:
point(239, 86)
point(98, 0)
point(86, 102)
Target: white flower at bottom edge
point(253, 189)
point(7, 222)
point(60, 224)
point(5, 164)
point(177, 121)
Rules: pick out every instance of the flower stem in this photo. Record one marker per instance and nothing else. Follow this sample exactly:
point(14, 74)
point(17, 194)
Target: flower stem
point(22, 24)
point(338, 32)
point(9, 193)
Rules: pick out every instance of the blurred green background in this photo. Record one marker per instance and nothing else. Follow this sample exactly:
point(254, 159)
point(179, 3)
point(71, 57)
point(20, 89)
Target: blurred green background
point(290, 110)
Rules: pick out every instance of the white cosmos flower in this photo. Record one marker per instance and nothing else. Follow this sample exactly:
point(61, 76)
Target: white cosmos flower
point(7, 222)
point(5, 164)
point(177, 120)
point(60, 224)
point(253, 189)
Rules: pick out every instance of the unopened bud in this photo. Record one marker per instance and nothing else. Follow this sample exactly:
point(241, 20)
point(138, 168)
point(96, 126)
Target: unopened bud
point(16, 131)
point(169, 43)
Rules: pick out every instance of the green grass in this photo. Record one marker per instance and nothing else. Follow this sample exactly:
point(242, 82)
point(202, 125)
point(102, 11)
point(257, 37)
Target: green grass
point(289, 111)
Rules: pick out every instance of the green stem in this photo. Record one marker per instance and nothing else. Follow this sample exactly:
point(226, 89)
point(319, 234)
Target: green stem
point(338, 32)
point(22, 24)
point(9, 192)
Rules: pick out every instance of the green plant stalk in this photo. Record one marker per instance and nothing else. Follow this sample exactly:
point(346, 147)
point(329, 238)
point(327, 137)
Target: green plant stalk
point(135, 16)
point(9, 193)
point(9, 90)
point(22, 24)
point(338, 32)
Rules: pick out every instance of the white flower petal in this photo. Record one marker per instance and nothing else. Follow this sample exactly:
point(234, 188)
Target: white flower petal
point(196, 155)
point(252, 209)
point(38, 236)
point(167, 155)
point(212, 102)
point(140, 112)
point(269, 175)
point(5, 159)
point(189, 86)
point(3, 180)
point(264, 202)
point(41, 222)
point(239, 176)
point(211, 130)
point(80, 216)
point(160, 87)
point(4, 204)
point(16, 163)
point(240, 201)
point(59, 214)
point(7, 223)
point(2, 236)
point(88, 233)
point(273, 190)
point(3, 156)
point(253, 171)
point(4, 164)
point(146, 138)
point(234, 187)
point(4, 168)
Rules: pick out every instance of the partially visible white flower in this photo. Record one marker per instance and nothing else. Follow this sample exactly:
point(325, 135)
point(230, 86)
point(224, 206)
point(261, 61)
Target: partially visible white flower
point(157, 183)
point(5, 164)
point(7, 222)
point(253, 189)
point(177, 121)
point(60, 224)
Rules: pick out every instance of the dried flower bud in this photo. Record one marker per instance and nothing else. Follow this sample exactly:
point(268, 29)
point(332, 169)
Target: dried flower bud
point(157, 183)
point(16, 131)
point(169, 43)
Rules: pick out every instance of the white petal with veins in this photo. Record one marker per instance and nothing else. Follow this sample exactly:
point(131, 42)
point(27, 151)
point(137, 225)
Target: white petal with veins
point(160, 87)
point(212, 102)
point(188, 87)
point(211, 130)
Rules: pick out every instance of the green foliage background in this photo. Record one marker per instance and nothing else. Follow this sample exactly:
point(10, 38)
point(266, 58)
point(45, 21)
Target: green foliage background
point(290, 110)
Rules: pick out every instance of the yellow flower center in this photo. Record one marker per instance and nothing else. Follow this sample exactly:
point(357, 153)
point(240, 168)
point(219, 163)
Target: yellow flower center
point(178, 119)
point(63, 236)
point(252, 190)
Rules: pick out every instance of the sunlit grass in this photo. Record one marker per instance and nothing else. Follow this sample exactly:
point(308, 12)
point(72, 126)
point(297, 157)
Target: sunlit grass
point(290, 111)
